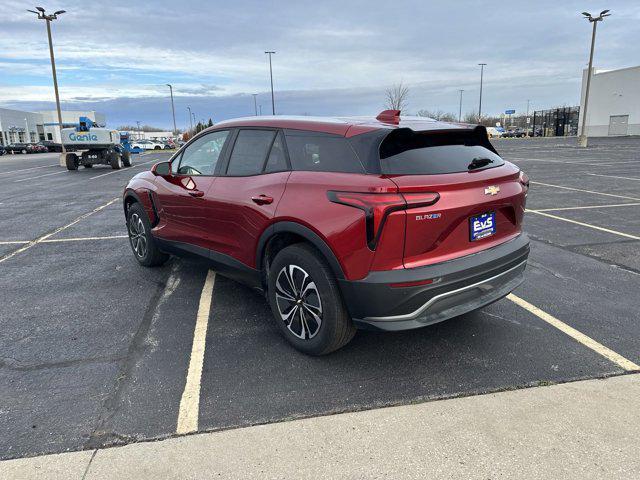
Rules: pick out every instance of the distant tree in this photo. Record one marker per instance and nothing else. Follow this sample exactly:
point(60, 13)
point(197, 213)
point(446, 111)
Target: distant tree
point(210, 124)
point(143, 128)
point(396, 97)
point(438, 115)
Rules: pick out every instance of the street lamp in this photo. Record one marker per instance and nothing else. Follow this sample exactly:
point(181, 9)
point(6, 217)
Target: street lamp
point(482, 65)
point(190, 119)
point(582, 140)
point(460, 108)
point(173, 110)
point(255, 103)
point(273, 102)
point(49, 18)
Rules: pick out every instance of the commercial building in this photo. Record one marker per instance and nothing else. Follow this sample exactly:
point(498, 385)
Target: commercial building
point(23, 126)
point(614, 102)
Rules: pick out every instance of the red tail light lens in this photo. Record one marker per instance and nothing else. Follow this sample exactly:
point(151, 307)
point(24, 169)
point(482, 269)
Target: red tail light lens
point(378, 206)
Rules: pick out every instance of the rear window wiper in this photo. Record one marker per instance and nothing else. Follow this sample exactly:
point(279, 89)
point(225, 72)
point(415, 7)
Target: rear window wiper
point(479, 162)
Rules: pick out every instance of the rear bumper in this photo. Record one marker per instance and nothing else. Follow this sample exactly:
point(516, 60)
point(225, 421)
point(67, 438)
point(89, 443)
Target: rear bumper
point(459, 286)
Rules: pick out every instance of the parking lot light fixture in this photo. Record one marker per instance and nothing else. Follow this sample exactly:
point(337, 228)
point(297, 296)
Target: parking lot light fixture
point(460, 107)
point(255, 103)
point(42, 15)
point(582, 140)
point(273, 102)
point(173, 110)
point(482, 65)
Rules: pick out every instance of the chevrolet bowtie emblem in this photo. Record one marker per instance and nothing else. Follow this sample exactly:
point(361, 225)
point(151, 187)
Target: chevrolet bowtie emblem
point(492, 190)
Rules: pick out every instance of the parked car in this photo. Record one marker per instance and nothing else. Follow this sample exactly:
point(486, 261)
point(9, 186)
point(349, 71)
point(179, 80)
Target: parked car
point(2, 150)
point(169, 144)
point(495, 132)
point(146, 145)
point(514, 132)
point(52, 146)
point(384, 224)
point(40, 148)
point(20, 147)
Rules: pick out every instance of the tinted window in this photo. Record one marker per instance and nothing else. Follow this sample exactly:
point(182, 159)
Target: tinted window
point(322, 152)
point(405, 152)
point(201, 156)
point(250, 152)
point(277, 161)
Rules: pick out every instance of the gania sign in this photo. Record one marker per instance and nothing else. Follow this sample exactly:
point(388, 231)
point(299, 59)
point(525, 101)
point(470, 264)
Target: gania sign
point(85, 137)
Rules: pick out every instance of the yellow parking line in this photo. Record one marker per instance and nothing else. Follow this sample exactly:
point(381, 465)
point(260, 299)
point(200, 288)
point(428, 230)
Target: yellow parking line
point(585, 340)
point(190, 401)
point(588, 225)
point(586, 191)
point(583, 208)
point(57, 230)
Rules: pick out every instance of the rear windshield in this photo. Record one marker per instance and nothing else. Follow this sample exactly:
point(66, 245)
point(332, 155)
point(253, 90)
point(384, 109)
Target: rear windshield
point(405, 152)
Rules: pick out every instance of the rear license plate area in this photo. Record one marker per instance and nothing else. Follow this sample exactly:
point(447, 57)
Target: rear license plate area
point(482, 226)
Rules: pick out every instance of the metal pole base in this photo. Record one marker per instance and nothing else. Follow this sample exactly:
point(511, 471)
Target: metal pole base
point(582, 141)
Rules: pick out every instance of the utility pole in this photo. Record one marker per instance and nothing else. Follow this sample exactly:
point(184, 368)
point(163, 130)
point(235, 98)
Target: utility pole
point(273, 102)
point(582, 140)
point(49, 18)
point(526, 119)
point(173, 110)
point(190, 118)
point(139, 133)
point(260, 109)
point(482, 65)
point(255, 103)
point(194, 118)
point(460, 108)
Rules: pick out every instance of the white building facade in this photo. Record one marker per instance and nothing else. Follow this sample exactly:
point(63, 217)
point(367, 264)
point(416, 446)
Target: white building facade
point(30, 127)
point(614, 103)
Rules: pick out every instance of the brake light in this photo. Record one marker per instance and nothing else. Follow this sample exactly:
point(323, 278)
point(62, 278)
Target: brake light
point(378, 206)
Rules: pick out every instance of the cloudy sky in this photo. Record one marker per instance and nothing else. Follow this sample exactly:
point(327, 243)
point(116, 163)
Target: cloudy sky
point(333, 57)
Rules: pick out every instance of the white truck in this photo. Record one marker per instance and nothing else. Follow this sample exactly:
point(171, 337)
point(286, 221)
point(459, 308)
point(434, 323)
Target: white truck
point(90, 145)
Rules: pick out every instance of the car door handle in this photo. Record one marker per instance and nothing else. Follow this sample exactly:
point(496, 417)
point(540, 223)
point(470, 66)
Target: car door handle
point(196, 193)
point(262, 200)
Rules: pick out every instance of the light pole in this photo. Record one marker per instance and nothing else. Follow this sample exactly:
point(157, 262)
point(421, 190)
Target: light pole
point(49, 18)
point(460, 108)
point(526, 119)
point(482, 65)
point(190, 119)
point(139, 134)
point(273, 102)
point(173, 110)
point(194, 119)
point(582, 141)
point(255, 103)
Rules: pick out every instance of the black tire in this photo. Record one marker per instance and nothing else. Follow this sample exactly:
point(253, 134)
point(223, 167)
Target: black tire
point(115, 160)
point(71, 160)
point(143, 245)
point(126, 158)
point(157, 148)
point(322, 301)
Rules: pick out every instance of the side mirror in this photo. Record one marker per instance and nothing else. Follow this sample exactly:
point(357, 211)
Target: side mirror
point(161, 169)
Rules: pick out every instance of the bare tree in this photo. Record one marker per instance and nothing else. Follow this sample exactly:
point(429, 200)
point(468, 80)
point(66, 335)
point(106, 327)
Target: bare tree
point(438, 115)
point(397, 97)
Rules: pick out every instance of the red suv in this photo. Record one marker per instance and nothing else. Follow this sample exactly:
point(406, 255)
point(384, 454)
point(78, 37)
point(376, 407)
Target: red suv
point(388, 223)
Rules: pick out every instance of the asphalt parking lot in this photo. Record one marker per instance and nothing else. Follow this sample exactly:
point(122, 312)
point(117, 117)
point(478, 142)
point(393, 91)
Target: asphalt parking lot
point(97, 351)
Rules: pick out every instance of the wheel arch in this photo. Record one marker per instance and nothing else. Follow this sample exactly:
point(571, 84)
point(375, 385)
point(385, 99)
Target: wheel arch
point(300, 232)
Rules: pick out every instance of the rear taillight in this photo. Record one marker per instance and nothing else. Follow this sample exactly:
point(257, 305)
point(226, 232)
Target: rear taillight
point(378, 206)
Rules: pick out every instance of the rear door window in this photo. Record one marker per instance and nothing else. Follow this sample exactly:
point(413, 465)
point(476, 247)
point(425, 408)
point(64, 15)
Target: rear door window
point(321, 152)
point(250, 152)
point(405, 152)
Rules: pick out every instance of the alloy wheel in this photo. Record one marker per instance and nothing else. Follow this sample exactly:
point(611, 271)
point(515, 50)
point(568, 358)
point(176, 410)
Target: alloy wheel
point(137, 235)
point(298, 302)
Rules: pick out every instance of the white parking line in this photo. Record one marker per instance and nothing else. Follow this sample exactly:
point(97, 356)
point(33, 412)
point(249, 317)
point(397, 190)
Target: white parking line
point(595, 227)
point(14, 242)
point(27, 169)
point(84, 239)
point(28, 179)
point(635, 179)
point(57, 230)
point(121, 170)
point(585, 340)
point(586, 191)
point(583, 208)
point(190, 401)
